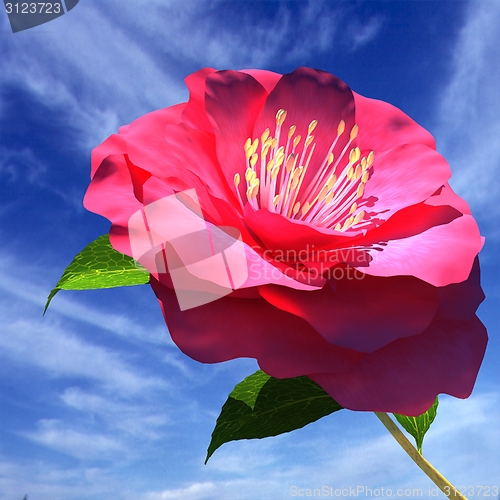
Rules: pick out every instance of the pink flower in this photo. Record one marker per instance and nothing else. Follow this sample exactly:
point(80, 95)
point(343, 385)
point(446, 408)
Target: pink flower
point(374, 282)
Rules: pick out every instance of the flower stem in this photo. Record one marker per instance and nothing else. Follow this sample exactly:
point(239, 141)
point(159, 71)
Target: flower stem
point(437, 478)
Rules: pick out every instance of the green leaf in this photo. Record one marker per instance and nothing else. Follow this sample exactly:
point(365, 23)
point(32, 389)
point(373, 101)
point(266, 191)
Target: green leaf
point(99, 265)
point(418, 426)
point(262, 406)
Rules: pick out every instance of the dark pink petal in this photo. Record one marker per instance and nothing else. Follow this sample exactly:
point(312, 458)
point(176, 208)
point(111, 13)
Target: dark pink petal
point(408, 222)
point(308, 94)
point(361, 312)
point(233, 101)
point(383, 126)
point(195, 114)
point(446, 196)
point(111, 195)
point(183, 153)
point(113, 145)
point(440, 256)
point(405, 176)
point(284, 345)
point(461, 300)
point(279, 233)
point(406, 375)
point(268, 79)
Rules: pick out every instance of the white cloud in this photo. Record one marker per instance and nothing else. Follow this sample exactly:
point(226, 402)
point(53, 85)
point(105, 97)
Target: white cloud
point(84, 446)
point(468, 116)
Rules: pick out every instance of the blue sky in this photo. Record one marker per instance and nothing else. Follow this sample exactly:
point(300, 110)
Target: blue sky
point(96, 402)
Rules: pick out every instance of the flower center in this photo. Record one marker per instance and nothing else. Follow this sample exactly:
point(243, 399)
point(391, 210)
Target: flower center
point(275, 178)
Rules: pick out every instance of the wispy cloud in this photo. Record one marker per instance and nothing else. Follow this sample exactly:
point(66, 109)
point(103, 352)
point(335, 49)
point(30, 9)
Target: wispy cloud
point(468, 115)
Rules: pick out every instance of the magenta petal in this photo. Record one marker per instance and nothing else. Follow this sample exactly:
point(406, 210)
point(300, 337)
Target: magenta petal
point(284, 345)
point(405, 176)
point(233, 101)
point(268, 79)
point(446, 196)
point(362, 314)
point(383, 126)
point(440, 256)
point(195, 114)
point(308, 94)
point(406, 375)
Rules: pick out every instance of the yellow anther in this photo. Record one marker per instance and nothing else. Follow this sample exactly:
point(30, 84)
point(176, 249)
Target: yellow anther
point(322, 194)
point(296, 141)
point(274, 142)
point(354, 155)
point(265, 150)
point(358, 217)
point(309, 139)
point(365, 176)
point(289, 162)
point(350, 172)
point(329, 197)
point(280, 117)
point(354, 206)
point(312, 126)
point(296, 208)
point(281, 151)
point(370, 159)
point(270, 165)
point(338, 227)
point(305, 208)
point(255, 187)
point(348, 223)
point(253, 160)
point(361, 190)
point(291, 131)
point(331, 181)
point(363, 163)
point(237, 180)
point(279, 160)
point(248, 143)
point(296, 174)
point(274, 171)
point(249, 193)
point(264, 136)
point(252, 177)
point(341, 128)
point(248, 173)
point(359, 170)
point(255, 145)
point(354, 133)
point(276, 200)
point(331, 157)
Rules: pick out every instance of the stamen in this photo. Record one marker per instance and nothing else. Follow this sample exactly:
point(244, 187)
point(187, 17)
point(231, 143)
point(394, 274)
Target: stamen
point(329, 200)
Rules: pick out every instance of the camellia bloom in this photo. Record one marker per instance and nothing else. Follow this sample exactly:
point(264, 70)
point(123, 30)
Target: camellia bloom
point(362, 262)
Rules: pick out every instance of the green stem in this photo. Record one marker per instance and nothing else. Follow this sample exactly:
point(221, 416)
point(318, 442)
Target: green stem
point(436, 477)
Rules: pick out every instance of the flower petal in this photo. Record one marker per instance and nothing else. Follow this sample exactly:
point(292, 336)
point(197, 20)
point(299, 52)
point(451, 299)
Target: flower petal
point(441, 255)
point(361, 312)
point(404, 176)
point(383, 126)
point(406, 375)
point(195, 114)
point(284, 345)
point(268, 79)
point(308, 94)
point(233, 101)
